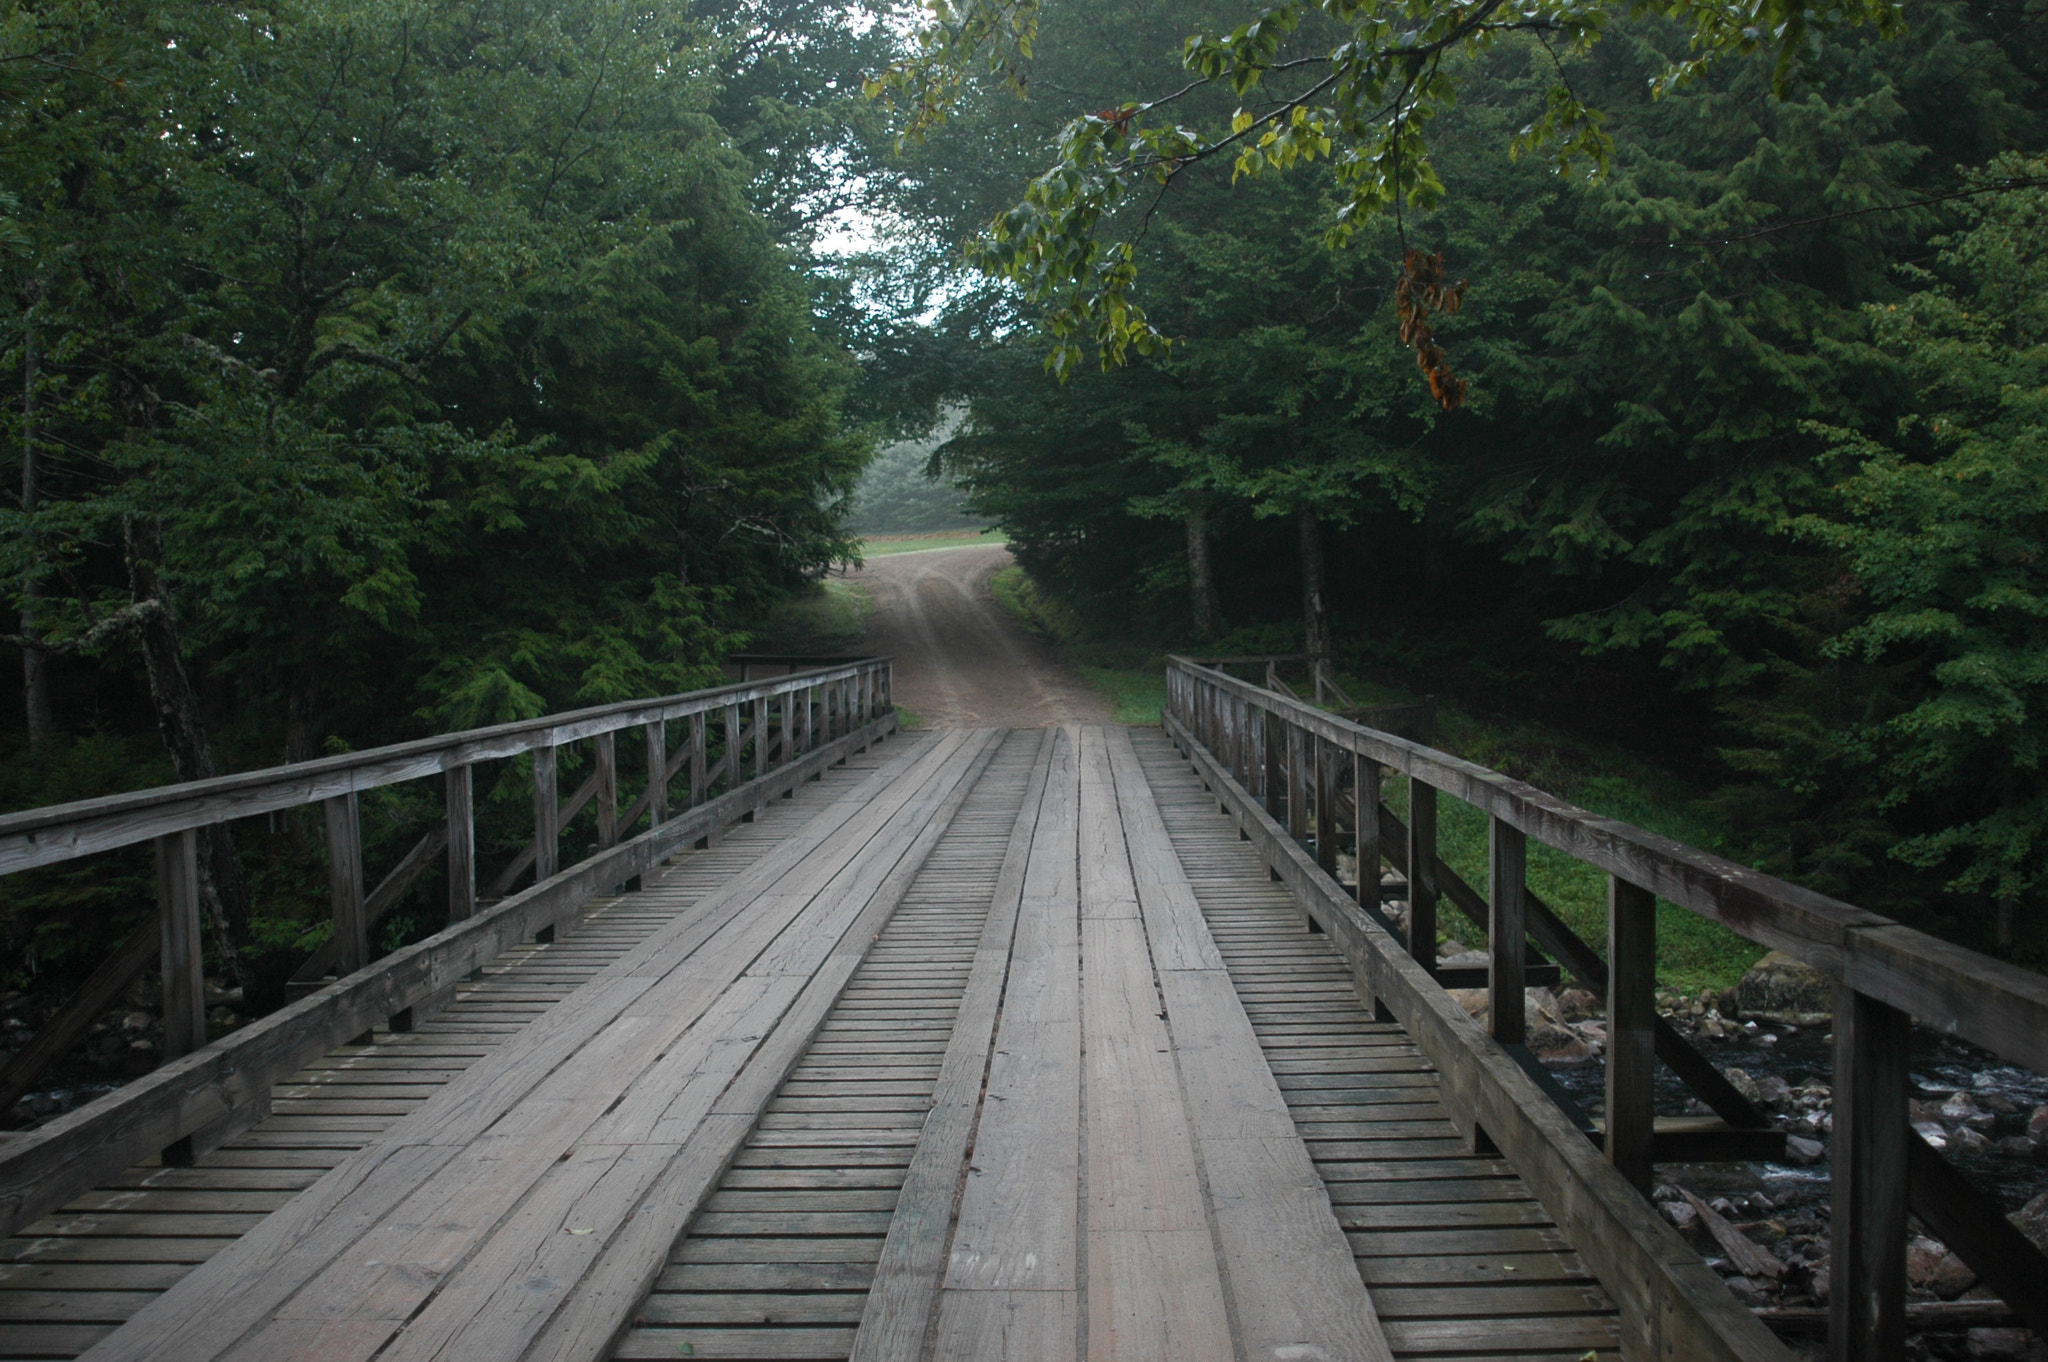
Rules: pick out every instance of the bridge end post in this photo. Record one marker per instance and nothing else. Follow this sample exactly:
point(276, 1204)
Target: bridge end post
point(1631, 1031)
point(1867, 1164)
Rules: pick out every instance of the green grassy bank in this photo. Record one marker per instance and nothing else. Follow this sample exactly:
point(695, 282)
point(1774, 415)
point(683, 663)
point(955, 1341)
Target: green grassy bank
point(1693, 953)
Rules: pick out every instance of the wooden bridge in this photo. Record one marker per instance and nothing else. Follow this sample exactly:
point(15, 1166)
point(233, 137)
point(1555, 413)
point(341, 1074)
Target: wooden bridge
point(1037, 1044)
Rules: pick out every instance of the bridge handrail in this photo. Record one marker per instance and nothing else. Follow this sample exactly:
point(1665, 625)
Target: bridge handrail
point(1946, 987)
point(61, 832)
point(203, 1093)
point(1886, 974)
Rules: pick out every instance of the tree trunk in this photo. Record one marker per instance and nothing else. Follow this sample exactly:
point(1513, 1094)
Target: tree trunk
point(1201, 577)
point(35, 664)
point(221, 887)
point(1315, 620)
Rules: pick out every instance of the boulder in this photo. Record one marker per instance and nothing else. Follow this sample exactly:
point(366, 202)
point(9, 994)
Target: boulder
point(2032, 1221)
point(2037, 1125)
point(1802, 1151)
point(1558, 1047)
point(1780, 988)
point(2006, 1345)
point(1579, 1004)
point(1744, 1084)
point(1962, 1109)
point(1931, 1266)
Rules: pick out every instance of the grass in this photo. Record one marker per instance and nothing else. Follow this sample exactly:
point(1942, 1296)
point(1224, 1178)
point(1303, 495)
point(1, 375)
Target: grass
point(882, 545)
point(1693, 953)
point(826, 617)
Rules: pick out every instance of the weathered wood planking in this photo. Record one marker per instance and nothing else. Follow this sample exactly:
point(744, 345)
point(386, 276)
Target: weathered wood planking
point(332, 1107)
point(898, 1310)
point(1018, 1219)
point(1291, 1282)
point(1989, 1002)
point(62, 831)
point(421, 1200)
point(1666, 1294)
point(228, 1080)
point(754, 1266)
point(1330, 1070)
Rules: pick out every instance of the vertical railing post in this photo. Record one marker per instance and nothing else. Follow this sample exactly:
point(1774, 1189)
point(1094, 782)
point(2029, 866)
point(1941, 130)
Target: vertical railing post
point(760, 736)
point(1631, 1031)
point(1365, 781)
point(546, 820)
point(1297, 782)
point(345, 884)
point(1867, 1170)
point(459, 798)
point(1507, 932)
point(607, 790)
point(1325, 773)
point(697, 758)
point(1422, 874)
point(657, 773)
point(716, 832)
point(182, 958)
point(1271, 781)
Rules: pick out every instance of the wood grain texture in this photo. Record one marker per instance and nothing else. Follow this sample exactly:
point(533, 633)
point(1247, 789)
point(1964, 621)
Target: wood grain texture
point(532, 1101)
point(1990, 1002)
point(1662, 1287)
point(62, 831)
point(1018, 1226)
point(1285, 1263)
point(899, 1306)
point(229, 1079)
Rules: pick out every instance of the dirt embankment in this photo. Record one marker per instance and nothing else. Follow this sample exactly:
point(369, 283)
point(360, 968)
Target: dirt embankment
point(961, 660)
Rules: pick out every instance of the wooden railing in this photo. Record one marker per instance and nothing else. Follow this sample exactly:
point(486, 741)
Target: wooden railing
point(773, 734)
point(1299, 779)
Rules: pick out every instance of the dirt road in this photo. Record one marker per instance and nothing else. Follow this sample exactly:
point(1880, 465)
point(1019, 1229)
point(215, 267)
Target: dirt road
point(961, 660)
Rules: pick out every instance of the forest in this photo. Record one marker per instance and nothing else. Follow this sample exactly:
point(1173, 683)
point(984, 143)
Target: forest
point(385, 367)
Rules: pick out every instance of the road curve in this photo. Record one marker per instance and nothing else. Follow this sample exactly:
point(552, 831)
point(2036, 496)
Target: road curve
point(961, 660)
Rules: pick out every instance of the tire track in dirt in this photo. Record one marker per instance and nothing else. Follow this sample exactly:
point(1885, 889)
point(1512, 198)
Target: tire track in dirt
point(961, 659)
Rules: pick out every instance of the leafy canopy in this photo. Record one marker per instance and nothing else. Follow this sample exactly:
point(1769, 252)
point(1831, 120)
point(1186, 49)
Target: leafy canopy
point(1342, 83)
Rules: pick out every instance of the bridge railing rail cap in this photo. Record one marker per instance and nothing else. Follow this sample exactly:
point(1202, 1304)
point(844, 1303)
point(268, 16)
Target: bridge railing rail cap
point(1946, 987)
point(35, 836)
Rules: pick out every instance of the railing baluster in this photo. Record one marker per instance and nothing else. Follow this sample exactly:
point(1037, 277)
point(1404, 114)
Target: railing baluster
point(657, 773)
point(1422, 874)
point(1507, 931)
point(546, 822)
point(182, 959)
point(345, 884)
point(1297, 784)
point(459, 799)
point(1365, 784)
point(1867, 1169)
point(607, 790)
point(1325, 773)
point(760, 736)
point(1631, 1030)
point(697, 727)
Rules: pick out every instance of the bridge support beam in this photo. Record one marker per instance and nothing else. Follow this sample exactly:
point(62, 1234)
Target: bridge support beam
point(1867, 1292)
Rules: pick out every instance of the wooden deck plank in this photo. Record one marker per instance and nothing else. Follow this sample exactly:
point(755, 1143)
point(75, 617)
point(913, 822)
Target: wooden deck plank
point(205, 1326)
point(1362, 1097)
point(899, 1305)
point(1290, 1274)
point(1018, 1227)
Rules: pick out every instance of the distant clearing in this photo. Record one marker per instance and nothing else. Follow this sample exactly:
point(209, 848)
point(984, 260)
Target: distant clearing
point(882, 545)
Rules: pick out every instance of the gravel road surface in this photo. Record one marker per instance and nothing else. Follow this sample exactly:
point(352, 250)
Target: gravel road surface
point(962, 661)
